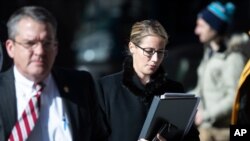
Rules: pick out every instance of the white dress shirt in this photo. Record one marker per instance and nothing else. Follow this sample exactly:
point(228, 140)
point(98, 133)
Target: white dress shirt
point(52, 124)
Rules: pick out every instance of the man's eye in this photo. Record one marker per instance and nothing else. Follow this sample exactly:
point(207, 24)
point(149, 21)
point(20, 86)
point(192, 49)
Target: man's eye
point(30, 43)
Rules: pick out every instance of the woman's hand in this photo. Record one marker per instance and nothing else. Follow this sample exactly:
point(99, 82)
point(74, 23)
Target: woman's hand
point(198, 118)
point(142, 140)
point(159, 137)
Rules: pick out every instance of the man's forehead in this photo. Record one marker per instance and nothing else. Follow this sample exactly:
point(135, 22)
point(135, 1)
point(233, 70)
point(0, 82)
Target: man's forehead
point(31, 29)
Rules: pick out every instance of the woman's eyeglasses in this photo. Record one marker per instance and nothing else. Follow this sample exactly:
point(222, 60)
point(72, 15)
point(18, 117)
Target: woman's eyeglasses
point(151, 51)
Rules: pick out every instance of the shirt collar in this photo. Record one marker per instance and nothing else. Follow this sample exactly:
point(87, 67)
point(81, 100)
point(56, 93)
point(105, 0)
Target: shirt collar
point(20, 79)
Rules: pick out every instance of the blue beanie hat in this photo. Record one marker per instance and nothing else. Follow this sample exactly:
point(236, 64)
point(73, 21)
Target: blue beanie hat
point(217, 15)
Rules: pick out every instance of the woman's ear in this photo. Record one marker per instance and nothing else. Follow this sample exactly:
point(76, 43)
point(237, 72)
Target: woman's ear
point(131, 47)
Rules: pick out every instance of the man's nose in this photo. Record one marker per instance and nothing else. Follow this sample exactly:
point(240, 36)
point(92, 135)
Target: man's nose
point(39, 48)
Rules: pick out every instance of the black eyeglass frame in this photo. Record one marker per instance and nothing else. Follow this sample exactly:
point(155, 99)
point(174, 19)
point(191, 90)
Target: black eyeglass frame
point(152, 51)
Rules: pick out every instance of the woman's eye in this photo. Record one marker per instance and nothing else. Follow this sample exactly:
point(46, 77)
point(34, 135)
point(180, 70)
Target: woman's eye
point(150, 51)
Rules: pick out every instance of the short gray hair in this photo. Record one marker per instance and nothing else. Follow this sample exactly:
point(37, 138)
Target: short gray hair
point(36, 13)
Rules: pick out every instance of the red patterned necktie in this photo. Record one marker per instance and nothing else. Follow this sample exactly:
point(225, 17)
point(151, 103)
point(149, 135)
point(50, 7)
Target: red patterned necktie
point(27, 121)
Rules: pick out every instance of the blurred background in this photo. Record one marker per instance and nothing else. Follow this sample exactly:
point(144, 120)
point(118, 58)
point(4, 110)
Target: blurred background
point(93, 34)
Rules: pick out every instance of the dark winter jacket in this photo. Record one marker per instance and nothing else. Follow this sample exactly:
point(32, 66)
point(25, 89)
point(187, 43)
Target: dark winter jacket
point(126, 101)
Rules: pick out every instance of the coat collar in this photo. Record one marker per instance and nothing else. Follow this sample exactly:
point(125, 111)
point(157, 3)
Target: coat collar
point(132, 81)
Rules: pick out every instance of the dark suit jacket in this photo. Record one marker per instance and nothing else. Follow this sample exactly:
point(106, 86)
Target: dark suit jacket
point(79, 96)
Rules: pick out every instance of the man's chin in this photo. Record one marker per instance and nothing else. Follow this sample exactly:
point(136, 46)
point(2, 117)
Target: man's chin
point(38, 72)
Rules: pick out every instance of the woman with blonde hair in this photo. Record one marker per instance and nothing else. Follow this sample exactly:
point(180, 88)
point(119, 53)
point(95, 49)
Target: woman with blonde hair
point(127, 95)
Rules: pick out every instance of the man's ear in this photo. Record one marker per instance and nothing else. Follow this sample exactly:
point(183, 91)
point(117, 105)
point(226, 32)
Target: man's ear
point(10, 47)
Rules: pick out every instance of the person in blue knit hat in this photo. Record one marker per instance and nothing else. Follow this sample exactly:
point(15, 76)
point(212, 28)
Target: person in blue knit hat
point(218, 72)
point(218, 16)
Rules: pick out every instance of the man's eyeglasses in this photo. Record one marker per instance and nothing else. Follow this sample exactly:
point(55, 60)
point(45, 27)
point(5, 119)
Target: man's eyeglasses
point(151, 51)
point(47, 44)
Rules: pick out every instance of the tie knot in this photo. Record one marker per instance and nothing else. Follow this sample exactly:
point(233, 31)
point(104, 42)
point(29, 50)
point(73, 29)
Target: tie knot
point(39, 86)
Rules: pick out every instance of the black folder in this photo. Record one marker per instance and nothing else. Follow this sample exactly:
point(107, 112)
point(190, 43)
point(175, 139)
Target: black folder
point(172, 115)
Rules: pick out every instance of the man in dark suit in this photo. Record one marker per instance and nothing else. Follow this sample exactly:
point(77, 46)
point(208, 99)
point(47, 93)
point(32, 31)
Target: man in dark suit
point(68, 108)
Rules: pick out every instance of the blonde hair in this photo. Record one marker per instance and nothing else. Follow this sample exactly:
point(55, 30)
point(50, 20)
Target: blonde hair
point(147, 28)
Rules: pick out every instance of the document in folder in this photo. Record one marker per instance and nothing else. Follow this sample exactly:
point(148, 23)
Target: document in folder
point(172, 115)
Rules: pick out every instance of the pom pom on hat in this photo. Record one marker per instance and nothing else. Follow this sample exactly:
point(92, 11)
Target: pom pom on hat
point(217, 15)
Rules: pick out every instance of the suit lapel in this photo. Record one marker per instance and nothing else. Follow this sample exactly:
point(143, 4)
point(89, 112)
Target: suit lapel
point(68, 106)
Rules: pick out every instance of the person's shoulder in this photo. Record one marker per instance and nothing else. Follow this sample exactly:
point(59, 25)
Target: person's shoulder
point(236, 54)
point(69, 70)
point(6, 80)
point(174, 85)
point(70, 73)
point(112, 76)
point(236, 58)
point(111, 79)
point(5, 75)
point(171, 81)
